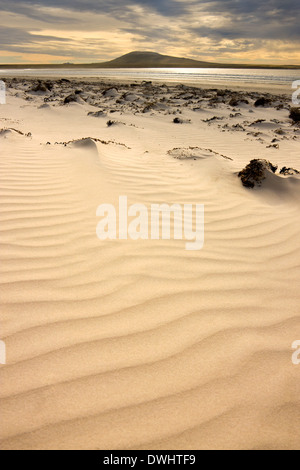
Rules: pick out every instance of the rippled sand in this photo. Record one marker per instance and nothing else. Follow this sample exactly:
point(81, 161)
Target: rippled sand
point(142, 344)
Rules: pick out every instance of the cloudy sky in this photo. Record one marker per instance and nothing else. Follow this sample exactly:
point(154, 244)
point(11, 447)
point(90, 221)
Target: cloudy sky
point(248, 31)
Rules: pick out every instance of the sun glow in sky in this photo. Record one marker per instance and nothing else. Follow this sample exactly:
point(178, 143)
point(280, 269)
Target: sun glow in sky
point(240, 31)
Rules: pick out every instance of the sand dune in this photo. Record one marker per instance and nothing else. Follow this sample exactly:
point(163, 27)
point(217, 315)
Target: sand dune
point(142, 344)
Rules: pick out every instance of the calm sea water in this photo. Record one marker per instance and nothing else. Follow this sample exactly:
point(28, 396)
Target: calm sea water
point(281, 78)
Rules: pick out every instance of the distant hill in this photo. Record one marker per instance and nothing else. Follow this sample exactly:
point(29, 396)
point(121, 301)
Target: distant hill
point(153, 60)
point(148, 60)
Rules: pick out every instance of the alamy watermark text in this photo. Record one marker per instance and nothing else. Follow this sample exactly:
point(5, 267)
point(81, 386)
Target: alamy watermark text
point(2, 92)
point(2, 353)
point(296, 94)
point(187, 225)
point(296, 354)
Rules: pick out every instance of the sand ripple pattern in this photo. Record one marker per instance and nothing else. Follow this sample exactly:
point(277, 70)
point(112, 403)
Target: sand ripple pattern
point(126, 345)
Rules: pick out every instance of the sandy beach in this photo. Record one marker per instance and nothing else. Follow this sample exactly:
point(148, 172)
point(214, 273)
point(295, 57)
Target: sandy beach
point(142, 344)
point(259, 81)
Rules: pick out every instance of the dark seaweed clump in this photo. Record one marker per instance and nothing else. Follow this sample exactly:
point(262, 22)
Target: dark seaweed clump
point(262, 102)
point(254, 173)
point(295, 114)
point(289, 171)
point(71, 99)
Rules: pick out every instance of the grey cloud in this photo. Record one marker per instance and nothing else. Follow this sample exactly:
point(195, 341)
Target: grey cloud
point(117, 7)
point(271, 19)
point(247, 22)
point(23, 37)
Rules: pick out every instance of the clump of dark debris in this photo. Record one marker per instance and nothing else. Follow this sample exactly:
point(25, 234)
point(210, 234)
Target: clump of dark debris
point(262, 102)
point(237, 101)
point(233, 102)
point(289, 171)
point(12, 130)
point(178, 121)
point(215, 118)
point(42, 87)
point(254, 173)
point(97, 113)
point(295, 114)
point(71, 99)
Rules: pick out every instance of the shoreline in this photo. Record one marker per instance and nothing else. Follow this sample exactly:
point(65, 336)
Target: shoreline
point(272, 88)
point(279, 90)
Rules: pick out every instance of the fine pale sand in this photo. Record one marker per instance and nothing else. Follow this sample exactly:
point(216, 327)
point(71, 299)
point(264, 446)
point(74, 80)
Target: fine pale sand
point(142, 344)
